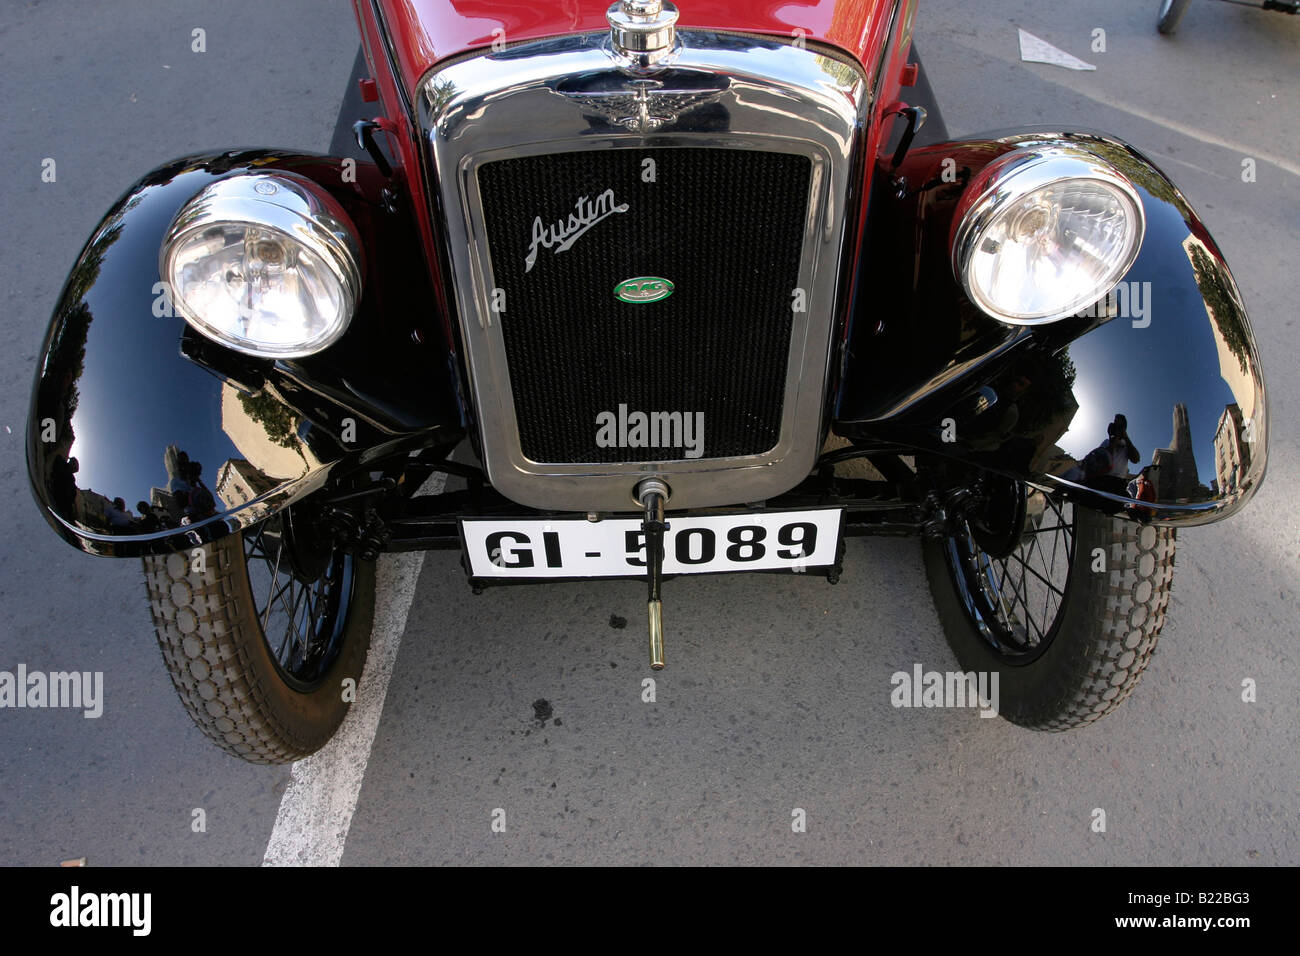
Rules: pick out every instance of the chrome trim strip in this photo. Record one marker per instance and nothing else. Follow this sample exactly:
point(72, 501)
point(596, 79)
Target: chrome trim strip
point(770, 95)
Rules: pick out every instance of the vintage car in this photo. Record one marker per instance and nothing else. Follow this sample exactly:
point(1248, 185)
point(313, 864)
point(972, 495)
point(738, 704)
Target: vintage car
point(633, 291)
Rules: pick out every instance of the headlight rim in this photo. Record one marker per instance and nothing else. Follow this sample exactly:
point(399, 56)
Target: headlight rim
point(1010, 178)
point(297, 209)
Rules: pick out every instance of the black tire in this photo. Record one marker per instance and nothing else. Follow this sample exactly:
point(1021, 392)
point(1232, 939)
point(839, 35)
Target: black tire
point(1076, 667)
point(1171, 12)
point(209, 626)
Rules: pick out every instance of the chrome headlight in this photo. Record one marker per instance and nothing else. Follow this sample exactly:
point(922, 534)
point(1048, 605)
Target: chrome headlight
point(1044, 232)
point(266, 263)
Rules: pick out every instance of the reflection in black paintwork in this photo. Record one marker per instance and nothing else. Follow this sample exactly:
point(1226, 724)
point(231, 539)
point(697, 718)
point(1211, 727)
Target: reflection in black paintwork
point(1021, 415)
point(1222, 302)
point(185, 499)
point(122, 393)
point(1143, 488)
point(1233, 446)
point(1176, 477)
point(1106, 467)
point(919, 353)
point(278, 419)
point(57, 395)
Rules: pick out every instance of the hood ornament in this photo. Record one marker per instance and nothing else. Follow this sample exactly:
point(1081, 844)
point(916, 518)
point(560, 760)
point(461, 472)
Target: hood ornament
point(644, 105)
point(642, 30)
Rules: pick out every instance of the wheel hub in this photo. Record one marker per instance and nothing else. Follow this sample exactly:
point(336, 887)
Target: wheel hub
point(999, 525)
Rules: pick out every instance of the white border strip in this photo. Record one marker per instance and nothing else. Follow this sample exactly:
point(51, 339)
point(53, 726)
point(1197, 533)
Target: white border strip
point(315, 813)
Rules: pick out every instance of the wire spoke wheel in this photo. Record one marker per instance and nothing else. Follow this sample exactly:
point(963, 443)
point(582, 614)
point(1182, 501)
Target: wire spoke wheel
point(302, 617)
point(1016, 601)
point(1063, 604)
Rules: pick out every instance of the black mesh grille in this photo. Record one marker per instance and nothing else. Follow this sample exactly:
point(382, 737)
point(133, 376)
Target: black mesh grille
point(724, 226)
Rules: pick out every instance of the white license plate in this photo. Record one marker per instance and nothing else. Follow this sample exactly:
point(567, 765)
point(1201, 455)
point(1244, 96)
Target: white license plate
point(615, 547)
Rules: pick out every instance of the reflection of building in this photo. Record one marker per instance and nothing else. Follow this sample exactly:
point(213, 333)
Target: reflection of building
point(1230, 337)
point(1231, 450)
point(92, 509)
point(173, 498)
point(239, 482)
point(1176, 478)
point(265, 430)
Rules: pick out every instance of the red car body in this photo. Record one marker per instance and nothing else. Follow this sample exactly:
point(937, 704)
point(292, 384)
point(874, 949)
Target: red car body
point(421, 34)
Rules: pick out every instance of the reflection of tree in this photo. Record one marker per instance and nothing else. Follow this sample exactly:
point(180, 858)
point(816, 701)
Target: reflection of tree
point(1142, 174)
point(86, 272)
point(847, 76)
point(1221, 298)
point(278, 419)
point(66, 357)
point(1221, 301)
point(57, 393)
point(1052, 395)
point(438, 94)
point(64, 363)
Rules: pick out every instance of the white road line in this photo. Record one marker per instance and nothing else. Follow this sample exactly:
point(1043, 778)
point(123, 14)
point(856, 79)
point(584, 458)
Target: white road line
point(1191, 132)
point(315, 813)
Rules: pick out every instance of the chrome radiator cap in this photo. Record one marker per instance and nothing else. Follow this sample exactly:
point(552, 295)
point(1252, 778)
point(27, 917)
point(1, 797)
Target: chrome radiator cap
point(643, 30)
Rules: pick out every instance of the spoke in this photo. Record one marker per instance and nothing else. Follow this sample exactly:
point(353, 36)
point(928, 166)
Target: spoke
point(1019, 589)
point(299, 619)
point(291, 631)
point(1030, 622)
point(1028, 613)
point(1056, 541)
point(1006, 579)
point(1022, 596)
point(1045, 564)
point(318, 604)
point(275, 573)
point(1047, 599)
point(257, 540)
point(996, 582)
point(1008, 612)
point(311, 601)
point(292, 609)
point(275, 597)
point(1046, 582)
point(1055, 527)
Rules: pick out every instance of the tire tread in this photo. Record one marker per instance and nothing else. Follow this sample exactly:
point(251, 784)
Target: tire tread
point(1124, 639)
point(202, 622)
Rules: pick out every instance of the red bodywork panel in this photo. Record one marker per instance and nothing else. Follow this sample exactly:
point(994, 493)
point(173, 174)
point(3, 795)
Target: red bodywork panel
point(426, 31)
point(422, 33)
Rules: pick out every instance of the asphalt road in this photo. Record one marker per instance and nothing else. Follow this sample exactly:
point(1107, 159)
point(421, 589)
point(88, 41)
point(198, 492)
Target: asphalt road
point(777, 694)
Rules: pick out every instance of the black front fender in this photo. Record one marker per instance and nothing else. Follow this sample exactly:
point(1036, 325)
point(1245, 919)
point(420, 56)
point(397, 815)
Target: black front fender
point(145, 437)
point(1171, 350)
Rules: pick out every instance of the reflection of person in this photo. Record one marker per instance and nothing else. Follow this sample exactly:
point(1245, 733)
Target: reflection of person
point(178, 473)
point(1106, 466)
point(202, 504)
point(117, 515)
point(148, 519)
point(1143, 488)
